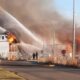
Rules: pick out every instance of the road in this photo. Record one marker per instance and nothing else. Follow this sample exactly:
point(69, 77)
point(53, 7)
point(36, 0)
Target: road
point(36, 72)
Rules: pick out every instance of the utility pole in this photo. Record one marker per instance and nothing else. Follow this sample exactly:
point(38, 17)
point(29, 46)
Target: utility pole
point(54, 41)
point(54, 37)
point(74, 32)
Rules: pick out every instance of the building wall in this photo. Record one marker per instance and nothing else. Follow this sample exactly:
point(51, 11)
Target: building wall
point(4, 46)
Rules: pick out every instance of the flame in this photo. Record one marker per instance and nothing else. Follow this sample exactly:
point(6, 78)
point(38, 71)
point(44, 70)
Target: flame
point(78, 39)
point(11, 38)
point(69, 46)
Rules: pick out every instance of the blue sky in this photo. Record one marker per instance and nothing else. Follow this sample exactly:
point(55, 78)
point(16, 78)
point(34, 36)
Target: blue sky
point(66, 7)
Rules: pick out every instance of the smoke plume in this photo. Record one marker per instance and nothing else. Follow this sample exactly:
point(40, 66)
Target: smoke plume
point(41, 17)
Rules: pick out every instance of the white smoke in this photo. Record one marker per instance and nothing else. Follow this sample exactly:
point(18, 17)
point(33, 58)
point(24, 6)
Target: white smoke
point(12, 24)
point(2, 30)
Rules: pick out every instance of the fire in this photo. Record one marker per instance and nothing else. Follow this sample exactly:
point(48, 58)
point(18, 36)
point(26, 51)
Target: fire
point(78, 40)
point(77, 46)
point(11, 38)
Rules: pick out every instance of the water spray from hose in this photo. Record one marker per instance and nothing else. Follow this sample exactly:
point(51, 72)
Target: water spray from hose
point(11, 23)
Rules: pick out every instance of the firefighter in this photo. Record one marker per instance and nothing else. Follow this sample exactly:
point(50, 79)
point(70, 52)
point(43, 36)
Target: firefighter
point(36, 55)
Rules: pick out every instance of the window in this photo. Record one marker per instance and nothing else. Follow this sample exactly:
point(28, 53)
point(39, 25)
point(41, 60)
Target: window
point(2, 37)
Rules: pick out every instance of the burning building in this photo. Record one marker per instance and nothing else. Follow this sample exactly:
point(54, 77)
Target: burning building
point(13, 48)
point(8, 47)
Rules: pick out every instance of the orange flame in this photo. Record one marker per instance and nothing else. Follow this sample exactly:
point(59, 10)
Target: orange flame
point(78, 40)
point(11, 38)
